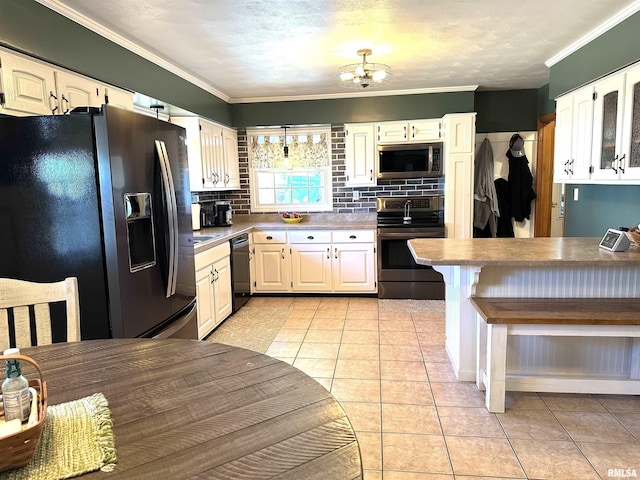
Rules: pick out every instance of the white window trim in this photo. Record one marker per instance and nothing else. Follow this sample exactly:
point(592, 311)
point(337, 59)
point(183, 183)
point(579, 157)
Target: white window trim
point(326, 206)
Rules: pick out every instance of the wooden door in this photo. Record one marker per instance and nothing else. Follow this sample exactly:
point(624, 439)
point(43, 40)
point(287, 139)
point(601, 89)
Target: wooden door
point(544, 175)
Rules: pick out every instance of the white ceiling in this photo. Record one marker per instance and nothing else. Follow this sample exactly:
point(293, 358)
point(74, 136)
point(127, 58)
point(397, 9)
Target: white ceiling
point(256, 50)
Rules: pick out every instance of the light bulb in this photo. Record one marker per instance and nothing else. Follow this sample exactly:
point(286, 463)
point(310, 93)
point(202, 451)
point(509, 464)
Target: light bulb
point(379, 75)
point(346, 76)
point(359, 70)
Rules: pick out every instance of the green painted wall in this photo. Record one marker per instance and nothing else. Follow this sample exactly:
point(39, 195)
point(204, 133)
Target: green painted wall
point(600, 207)
point(29, 27)
point(546, 105)
point(345, 110)
point(614, 49)
point(506, 110)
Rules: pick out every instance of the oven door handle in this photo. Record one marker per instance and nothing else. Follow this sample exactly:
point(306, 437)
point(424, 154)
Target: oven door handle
point(409, 235)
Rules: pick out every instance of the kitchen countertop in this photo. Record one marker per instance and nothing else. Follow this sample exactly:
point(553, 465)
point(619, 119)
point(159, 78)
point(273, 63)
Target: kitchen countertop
point(534, 252)
point(220, 235)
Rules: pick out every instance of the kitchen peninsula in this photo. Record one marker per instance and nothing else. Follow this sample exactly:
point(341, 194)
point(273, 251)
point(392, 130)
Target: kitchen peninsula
point(534, 268)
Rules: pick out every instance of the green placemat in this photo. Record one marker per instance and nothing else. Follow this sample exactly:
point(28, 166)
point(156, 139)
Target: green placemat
point(77, 438)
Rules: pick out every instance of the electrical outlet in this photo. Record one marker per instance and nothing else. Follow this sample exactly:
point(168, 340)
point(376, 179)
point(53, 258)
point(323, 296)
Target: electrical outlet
point(356, 195)
point(575, 194)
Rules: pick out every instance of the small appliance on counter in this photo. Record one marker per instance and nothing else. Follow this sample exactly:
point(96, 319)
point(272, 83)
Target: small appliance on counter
point(216, 214)
point(223, 214)
point(195, 216)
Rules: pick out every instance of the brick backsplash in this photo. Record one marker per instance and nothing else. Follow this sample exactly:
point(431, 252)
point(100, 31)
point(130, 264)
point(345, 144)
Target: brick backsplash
point(343, 201)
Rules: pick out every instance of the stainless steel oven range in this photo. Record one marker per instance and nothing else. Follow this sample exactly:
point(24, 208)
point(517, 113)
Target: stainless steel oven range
point(399, 220)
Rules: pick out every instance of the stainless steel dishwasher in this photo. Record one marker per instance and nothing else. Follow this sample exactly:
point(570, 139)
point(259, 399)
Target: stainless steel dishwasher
point(240, 273)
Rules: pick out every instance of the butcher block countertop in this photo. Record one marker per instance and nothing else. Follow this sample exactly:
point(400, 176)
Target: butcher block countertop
point(519, 252)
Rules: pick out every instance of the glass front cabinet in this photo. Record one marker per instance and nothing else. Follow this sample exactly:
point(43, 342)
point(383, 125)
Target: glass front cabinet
point(616, 128)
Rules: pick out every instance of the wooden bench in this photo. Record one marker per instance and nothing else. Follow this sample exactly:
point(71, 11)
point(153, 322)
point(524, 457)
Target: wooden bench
point(570, 317)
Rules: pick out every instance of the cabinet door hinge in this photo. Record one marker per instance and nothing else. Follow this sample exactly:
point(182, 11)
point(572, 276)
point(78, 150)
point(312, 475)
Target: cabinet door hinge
point(255, 284)
point(291, 284)
point(591, 169)
point(375, 284)
point(595, 95)
point(2, 99)
point(375, 250)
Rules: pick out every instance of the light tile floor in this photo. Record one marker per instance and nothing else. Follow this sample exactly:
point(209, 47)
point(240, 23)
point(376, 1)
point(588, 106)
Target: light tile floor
point(385, 362)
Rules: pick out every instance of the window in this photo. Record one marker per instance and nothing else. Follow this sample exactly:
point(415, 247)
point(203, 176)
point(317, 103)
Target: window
point(299, 181)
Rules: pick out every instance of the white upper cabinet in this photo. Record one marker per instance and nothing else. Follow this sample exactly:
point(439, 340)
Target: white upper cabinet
point(75, 91)
point(32, 87)
point(213, 154)
point(360, 154)
point(118, 97)
point(425, 130)
point(597, 137)
point(407, 132)
point(28, 86)
point(616, 128)
point(231, 178)
point(573, 137)
point(630, 161)
point(607, 127)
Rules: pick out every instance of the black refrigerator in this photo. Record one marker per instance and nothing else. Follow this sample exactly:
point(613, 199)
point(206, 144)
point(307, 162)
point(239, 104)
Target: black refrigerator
point(102, 195)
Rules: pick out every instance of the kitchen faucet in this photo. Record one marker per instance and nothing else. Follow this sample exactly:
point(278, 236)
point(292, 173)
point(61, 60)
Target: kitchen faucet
point(407, 211)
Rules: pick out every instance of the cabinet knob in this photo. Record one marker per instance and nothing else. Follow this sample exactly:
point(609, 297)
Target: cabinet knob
point(310, 237)
point(328, 253)
point(269, 237)
point(621, 166)
point(352, 237)
point(336, 252)
point(282, 253)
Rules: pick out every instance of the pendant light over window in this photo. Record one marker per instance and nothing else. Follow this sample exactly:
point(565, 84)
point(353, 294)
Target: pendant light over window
point(286, 148)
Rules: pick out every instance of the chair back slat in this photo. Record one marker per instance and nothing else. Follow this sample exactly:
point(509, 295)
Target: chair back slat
point(18, 295)
point(43, 324)
point(4, 329)
point(22, 326)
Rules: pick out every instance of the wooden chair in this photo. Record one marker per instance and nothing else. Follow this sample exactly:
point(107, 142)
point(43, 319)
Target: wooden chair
point(18, 295)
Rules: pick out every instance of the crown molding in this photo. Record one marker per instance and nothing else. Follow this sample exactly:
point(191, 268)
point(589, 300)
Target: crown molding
point(92, 25)
point(595, 33)
point(369, 93)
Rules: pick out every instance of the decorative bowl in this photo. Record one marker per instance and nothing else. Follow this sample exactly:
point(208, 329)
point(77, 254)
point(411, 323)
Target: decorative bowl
point(291, 218)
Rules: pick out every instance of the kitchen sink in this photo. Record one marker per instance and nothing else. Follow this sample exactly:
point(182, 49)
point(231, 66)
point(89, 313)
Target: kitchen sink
point(205, 238)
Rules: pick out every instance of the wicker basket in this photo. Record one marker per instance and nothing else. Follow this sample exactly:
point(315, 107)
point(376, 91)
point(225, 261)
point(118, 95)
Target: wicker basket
point(634, 233)
point(16, 450)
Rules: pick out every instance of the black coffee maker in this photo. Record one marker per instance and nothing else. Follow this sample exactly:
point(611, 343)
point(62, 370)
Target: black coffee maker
point(222, 214)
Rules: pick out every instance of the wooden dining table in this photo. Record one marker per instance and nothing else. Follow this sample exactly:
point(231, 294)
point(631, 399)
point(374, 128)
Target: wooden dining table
point(191, 409)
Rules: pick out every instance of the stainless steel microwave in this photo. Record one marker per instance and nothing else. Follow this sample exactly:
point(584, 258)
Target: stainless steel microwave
point(411, 160)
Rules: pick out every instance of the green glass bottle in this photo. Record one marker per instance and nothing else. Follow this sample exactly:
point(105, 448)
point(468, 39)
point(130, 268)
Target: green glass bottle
point(16, 398)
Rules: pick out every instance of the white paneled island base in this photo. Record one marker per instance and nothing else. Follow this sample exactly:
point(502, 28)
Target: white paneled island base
point(534, 268)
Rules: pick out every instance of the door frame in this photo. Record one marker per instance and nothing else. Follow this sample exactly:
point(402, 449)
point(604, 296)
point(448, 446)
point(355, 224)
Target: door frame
point(544, 175)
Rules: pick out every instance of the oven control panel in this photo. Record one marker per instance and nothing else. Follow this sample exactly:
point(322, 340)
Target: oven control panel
point(426, 203)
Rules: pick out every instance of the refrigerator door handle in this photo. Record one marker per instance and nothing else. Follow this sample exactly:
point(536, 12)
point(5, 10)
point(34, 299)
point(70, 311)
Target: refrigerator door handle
point(172, 214)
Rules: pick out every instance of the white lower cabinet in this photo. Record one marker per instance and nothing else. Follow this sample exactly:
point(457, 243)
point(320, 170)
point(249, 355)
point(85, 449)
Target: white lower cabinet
point(310, 261)
point(315, 261)
point(272, 262)
point(354, 268)
point(213, 287)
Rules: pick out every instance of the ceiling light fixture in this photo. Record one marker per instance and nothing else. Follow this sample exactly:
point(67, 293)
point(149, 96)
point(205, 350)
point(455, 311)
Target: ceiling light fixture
point(363, 75)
